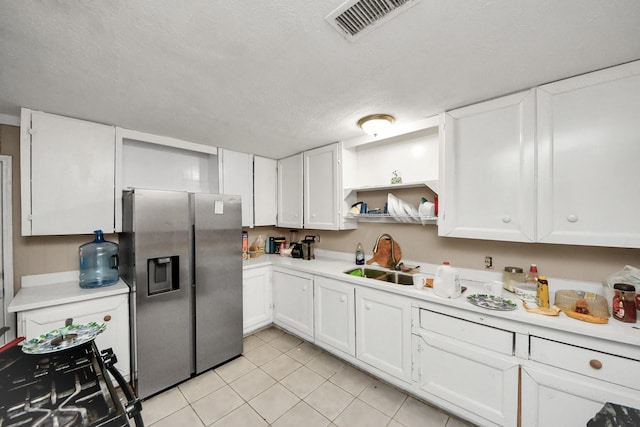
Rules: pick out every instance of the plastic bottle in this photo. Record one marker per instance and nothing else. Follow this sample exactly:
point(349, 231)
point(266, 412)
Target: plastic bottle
point(532, 276)
point(359, 255)
point(543, 292)
point(446, 283)
point(98, 262)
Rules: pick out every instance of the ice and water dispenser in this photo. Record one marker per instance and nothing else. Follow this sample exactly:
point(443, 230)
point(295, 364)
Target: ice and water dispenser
point(163, 274)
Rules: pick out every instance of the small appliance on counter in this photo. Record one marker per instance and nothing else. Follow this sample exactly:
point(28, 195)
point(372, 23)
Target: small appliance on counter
point(296, 250)
point(304, 249)
point(308, 247)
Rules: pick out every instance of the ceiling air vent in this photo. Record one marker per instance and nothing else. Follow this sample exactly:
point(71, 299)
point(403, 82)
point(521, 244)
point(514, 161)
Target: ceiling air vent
point(355, 18)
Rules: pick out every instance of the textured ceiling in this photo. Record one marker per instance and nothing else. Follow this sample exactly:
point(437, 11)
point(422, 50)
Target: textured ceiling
point(274, 78)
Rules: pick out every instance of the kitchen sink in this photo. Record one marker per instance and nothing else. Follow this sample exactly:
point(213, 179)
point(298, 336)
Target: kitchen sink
point(369, 273)
point(397, 278)
point(382, 275)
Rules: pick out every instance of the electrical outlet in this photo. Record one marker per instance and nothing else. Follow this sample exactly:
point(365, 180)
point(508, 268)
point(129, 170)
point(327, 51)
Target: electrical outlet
point(488, 262)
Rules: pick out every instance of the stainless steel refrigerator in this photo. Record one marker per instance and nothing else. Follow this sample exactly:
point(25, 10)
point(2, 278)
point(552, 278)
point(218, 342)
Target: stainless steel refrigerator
point(181, 254)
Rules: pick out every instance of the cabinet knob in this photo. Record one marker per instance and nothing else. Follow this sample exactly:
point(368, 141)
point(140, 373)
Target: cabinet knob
point(343, 298)
point(107, 317)
point(367, 306)
point(595, 363)
point(304, 288)
point(506, 219)
point(572, 218)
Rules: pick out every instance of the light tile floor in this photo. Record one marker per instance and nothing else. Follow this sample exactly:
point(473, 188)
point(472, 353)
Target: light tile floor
point(281, 380)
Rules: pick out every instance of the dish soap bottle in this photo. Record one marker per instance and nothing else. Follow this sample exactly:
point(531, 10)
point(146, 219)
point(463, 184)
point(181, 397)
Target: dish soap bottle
point(359, 255)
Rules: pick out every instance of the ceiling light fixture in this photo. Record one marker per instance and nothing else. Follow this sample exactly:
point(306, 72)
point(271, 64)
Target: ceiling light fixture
point(375, 124)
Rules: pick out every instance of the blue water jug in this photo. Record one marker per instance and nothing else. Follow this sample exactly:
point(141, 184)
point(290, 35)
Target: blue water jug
point(98, 263)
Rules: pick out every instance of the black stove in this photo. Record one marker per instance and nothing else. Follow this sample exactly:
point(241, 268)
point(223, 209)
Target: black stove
point(70, 387)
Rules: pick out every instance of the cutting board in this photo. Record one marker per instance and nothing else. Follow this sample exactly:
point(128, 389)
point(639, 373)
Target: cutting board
point(382, 253)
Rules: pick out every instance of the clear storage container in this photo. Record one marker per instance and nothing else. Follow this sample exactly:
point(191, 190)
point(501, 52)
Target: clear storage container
point(98, 262)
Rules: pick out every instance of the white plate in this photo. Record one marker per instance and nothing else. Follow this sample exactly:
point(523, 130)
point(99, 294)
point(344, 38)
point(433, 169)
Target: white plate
point(393, 206)
point(411, 210)
point(63, 338)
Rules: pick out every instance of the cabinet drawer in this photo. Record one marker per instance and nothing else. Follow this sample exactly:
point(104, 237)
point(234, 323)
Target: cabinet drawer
point(487, 337)
point(603, 366)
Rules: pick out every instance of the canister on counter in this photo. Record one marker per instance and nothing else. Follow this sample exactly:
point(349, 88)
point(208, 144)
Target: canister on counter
point(624, 305)
point(277, 242)
point(511, 276)
point(270, 247)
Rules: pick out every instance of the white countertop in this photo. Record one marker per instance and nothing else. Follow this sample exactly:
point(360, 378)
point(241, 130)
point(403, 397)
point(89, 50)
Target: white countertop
point(333, 265)
point(45, 290)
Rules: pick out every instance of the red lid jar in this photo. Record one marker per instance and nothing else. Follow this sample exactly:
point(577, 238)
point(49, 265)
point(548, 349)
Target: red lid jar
point(624, 302)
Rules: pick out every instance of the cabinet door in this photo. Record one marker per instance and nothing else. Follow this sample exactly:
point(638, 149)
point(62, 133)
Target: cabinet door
point(256, 298)
point(236, 177)
point(588, 175)
point(334, 314)
point(113, 310)
point(290, 191)
point(553, 397)
point(265, 191)
point(322, 188)
point(487, 170)
point(383, 331)
point(68, 175)
point(470, 378)
point(293, 302)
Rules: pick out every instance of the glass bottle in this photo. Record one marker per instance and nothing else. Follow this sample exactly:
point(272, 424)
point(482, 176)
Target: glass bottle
point(359, 255)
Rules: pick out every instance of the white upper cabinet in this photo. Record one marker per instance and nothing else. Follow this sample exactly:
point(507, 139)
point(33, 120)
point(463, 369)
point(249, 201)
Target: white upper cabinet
point(487, 170)
point(556, 164)
point(236, 177)
point(322, 188)
point(68, 176)
point(163, 163)
point(588, 153)
point(290, 191)
point(265, 196)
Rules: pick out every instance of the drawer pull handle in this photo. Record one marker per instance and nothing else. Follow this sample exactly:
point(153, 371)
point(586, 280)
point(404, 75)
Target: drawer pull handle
point(595, 363)
point(107, 318)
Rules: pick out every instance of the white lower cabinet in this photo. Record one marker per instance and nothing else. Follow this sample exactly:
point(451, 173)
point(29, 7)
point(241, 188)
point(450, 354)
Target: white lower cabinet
point(567, 385)
point(466, 368)
point(383, 331)
point(256, 298)
point(554, 397)
point(112, 310)
point(293, 302)
point(334, 315)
